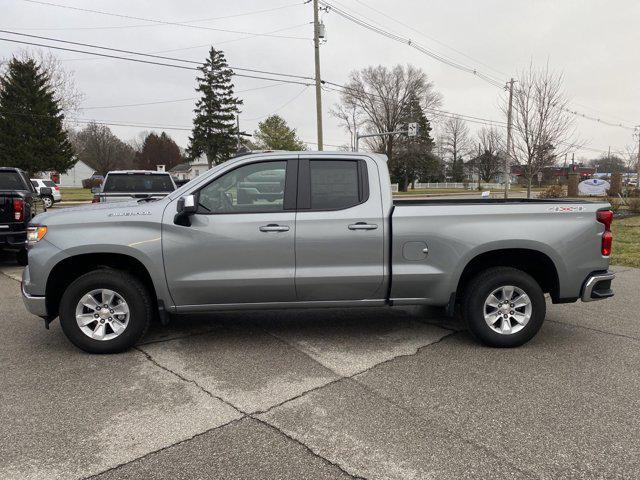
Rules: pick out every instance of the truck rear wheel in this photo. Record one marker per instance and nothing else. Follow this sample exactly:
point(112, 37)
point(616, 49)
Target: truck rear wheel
point(105, 311)
point(504, 307)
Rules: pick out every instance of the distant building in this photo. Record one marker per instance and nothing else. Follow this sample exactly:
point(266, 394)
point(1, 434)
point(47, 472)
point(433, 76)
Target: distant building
point(72, 177)
point(558, 174)
point(189, 171)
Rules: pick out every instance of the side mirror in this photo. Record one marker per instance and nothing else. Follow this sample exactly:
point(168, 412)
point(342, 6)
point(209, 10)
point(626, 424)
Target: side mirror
point(185, 207)
point(95, 190)
point(46, 192)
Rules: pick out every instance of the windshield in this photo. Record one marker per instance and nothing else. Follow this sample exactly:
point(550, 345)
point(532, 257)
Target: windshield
point(138, 182)
point(11, 181)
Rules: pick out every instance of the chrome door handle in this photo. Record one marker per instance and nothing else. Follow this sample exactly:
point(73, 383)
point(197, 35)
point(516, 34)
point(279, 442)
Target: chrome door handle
point(272, 227)
point(363, 226)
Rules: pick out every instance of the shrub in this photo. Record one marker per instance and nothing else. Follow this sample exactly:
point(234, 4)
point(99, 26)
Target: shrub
point(554, 191)
point(616, 204)
point(634, 204)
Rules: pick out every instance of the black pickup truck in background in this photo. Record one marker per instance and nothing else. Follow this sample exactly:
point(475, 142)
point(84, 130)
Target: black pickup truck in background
point(19, 203)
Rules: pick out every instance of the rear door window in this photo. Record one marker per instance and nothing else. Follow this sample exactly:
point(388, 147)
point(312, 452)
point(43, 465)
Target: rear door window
point(334, 184)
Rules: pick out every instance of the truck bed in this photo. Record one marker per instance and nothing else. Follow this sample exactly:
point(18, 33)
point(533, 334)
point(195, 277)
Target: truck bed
point(454, 231)
point(475, 201)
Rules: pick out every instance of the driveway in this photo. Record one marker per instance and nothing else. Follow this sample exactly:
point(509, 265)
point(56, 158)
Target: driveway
point(370, 393)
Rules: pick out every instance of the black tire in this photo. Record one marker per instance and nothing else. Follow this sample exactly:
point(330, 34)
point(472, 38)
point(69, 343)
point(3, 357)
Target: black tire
point(22, 257)
point(129, 288)
point(479, 289)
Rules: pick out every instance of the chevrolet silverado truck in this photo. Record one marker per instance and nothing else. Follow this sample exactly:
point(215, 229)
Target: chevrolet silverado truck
point(19, 203)
point(125, 185)
point(307, 230)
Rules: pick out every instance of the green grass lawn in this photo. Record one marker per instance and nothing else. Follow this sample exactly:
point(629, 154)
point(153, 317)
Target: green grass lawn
point(70, 194)
point(626, 242)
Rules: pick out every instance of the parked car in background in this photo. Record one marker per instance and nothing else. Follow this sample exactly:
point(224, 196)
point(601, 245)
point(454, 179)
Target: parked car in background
point(49, 200)
point(125, 185)
point(313, 229)
point(19, 203)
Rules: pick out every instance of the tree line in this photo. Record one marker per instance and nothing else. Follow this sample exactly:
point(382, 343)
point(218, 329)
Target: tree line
point(35, 94)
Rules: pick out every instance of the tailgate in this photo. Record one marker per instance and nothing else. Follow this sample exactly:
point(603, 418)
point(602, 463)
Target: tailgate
point(6, 210)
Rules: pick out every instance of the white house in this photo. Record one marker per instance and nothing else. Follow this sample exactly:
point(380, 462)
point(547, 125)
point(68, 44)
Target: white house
point(74, 176)
point(189, 171)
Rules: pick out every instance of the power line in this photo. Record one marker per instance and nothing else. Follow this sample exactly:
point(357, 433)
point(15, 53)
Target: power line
point(281, 106)
point(160, 22)
point(412, 44)
point(111, 27)
point(177, 100)
point(139, 60)
point(489, 79)
point(201, 45)
point(386, 15)
point(150, 55)
point(468, 118)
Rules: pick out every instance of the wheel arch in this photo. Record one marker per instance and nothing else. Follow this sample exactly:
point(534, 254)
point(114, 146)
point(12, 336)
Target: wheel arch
point(532, 261)
point(70, 268)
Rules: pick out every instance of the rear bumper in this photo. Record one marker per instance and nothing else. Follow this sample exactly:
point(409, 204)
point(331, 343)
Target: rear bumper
point(35, 305)
point(13, 239)
point(598, 287)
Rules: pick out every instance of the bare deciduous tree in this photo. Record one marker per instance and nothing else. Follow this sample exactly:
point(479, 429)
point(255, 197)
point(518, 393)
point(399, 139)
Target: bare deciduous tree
point(490, 161)
point(455, 143)
point(377, 98)
point(542, 122)
point(98, 147)
point(62, 80)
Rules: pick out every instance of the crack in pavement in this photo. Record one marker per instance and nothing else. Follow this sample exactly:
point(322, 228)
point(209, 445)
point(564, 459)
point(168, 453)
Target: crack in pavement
point(309, 449)
point(243, 416)
point(604, 332)
point(142, 457)
point(445, 432)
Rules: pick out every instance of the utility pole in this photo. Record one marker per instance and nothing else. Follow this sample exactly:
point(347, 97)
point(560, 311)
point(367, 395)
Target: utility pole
point(316, 47)
point(238, 132)
point(507, 171)
point(638, 164)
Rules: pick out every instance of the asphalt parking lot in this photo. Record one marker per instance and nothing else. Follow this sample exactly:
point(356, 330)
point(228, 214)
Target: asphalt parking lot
point(371, 393)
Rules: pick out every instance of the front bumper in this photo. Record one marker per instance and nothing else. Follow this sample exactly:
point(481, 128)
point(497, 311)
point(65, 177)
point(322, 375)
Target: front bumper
point(35, 305)
point(598, 287)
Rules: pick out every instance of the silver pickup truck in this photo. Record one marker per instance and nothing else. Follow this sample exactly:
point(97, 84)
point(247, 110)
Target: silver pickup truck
point(307, 230)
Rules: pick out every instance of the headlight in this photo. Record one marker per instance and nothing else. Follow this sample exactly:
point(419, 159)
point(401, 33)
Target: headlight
point(35, 234)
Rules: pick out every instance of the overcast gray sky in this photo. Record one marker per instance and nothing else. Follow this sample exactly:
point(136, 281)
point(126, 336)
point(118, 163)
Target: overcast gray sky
point(594, 43)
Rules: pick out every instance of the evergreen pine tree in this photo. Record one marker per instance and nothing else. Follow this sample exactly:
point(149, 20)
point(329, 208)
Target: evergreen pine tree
point(214, 126)
point(414, 158)
point(31, 133)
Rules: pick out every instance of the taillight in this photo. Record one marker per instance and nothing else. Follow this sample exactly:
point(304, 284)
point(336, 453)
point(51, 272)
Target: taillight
point(96, 199)
point(18, 209)
point(56, 188)
point(606, 217)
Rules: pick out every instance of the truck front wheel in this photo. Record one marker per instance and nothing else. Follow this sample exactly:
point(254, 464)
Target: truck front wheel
point(504, 307)
point(105, 311)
